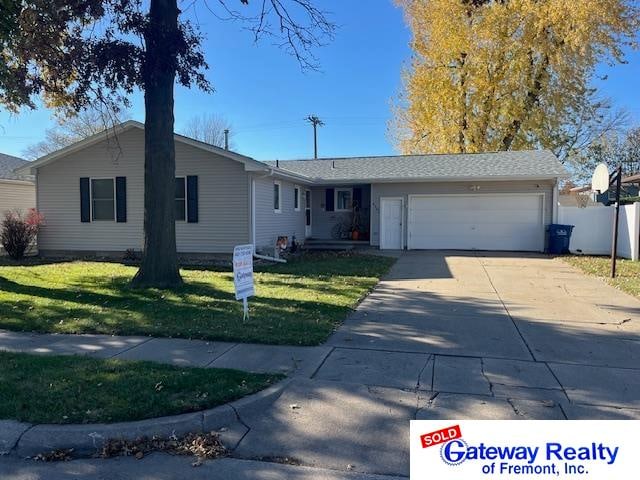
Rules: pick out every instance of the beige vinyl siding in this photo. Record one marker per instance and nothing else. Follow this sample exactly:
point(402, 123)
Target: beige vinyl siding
point(222, 192)
point(405, 189)
point(223, 199)
point(269, 224)
point(16, 195)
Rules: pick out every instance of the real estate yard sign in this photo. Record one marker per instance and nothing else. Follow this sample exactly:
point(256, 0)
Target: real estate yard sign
point(243, 275)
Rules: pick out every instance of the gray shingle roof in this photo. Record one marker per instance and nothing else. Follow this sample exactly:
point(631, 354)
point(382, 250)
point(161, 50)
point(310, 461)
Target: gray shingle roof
point(525, 164)
point(7, 164)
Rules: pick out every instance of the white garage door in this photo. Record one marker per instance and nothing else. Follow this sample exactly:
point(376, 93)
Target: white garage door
point(476, 222)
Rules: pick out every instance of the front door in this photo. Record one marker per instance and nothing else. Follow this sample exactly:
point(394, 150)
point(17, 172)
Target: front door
point(391, 223)
point(307, 213)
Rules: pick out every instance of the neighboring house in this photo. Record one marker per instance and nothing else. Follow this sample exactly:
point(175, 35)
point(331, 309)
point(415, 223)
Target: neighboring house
point(17, 192)
point(91, 195)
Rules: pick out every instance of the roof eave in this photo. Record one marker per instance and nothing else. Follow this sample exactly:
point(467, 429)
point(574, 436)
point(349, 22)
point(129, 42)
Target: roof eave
point(17, 181)
point(323, 181)
point(249, 163)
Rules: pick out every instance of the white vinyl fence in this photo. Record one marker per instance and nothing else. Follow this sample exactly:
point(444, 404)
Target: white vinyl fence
point(593, 229)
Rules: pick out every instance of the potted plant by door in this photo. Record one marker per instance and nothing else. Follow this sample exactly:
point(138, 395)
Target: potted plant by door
point(355, 222)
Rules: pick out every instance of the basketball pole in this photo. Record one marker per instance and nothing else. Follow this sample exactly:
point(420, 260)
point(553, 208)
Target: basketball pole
point(614, 246)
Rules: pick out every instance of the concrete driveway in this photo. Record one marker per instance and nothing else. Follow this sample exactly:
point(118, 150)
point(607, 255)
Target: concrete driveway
point(456, 335)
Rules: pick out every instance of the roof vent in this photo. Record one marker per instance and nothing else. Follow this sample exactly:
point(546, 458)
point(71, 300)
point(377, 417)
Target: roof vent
point(333, 164)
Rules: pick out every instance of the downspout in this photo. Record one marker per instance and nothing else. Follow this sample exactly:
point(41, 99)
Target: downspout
point(555, 200)
point(253, 221)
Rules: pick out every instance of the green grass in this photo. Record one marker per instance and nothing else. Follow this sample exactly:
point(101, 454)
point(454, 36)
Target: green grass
point(72, 389)
point(627, 271)
point(298, 303)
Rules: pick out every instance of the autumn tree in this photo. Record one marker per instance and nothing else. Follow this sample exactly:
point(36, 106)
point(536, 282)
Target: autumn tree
point(71, 129)
point(75, 54)
point(613, 149)
point(209, 128)
point(490, 75)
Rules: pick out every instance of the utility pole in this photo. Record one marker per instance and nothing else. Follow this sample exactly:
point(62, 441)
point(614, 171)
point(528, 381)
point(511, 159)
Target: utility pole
point(226, 139)
point(316, 122)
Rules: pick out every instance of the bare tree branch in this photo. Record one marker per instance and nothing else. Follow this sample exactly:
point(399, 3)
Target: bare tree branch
point(75, 127)
point(297, 26)
point(209, 128)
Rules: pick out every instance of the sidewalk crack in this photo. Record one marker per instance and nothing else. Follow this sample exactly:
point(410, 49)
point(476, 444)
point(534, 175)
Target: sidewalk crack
point(559, 383)
point(504, 306)
point(14, 448)
point(243, 423)
point(221, 354)
point(484, 374)
point(132, 347)
point(424, 367)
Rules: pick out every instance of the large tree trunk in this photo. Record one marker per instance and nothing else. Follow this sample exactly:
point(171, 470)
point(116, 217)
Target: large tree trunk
point(160, 261)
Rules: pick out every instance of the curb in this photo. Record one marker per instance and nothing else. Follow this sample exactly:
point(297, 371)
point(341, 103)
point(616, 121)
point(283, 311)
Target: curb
point(26, 440)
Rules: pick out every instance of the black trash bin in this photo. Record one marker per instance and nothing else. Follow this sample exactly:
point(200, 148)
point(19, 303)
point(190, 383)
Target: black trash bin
point(558, 238)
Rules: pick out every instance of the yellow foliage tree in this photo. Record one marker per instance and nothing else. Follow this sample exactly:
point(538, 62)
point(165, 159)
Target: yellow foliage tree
point(490, 75)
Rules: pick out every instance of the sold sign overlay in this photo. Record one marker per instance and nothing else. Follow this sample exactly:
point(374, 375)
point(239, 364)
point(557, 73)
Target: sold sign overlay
point(243, 275)
point(520, 449)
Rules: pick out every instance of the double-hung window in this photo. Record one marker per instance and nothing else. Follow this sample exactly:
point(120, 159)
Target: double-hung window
point(344, 199)
point(277, 197)
point(103, 199)
point(181, 199)
point(296, 199)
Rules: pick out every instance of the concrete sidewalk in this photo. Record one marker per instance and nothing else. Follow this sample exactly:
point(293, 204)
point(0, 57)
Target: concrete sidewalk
point(285, 359)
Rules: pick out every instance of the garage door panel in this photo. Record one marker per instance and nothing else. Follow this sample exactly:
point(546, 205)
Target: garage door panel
point(484, 222)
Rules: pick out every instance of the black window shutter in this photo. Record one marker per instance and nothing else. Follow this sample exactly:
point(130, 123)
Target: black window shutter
point(121, 199)
point(85, 200)
point(192, 199)
point(328, 200)
point(357, 197)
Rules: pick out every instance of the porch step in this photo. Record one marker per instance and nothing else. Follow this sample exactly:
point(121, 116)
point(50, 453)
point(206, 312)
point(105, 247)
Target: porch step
point(321, 241)
point(326, 246)
point(330, 244)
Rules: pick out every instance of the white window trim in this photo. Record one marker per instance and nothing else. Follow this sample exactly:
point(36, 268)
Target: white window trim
point(298, 198)
point(279, 209)
point(115, 206)
point(335, 200)
point(185, 197)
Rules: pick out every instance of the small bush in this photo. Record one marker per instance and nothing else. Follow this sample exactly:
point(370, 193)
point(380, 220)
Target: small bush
point(19, 232)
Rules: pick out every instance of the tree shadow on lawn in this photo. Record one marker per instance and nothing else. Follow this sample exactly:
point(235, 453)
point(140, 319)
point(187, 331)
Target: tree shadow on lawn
point(196, 310)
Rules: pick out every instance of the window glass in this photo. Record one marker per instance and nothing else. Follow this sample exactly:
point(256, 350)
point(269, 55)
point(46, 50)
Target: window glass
point(344, 200)
point(181, 199)
point(296, 198)
point(102, 199)
point(276, 196)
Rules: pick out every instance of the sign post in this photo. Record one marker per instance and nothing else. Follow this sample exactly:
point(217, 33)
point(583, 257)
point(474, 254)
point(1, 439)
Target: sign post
point(243, 275)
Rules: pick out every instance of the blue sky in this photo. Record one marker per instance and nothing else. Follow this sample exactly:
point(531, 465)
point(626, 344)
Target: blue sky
point(264, 94)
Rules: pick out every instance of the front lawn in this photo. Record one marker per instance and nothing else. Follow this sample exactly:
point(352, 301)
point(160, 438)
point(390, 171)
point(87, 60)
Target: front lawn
point(73, 389)
point(298, 303)
point(627, 271)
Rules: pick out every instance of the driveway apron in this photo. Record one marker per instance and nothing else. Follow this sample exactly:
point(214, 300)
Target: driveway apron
point(465, 335)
